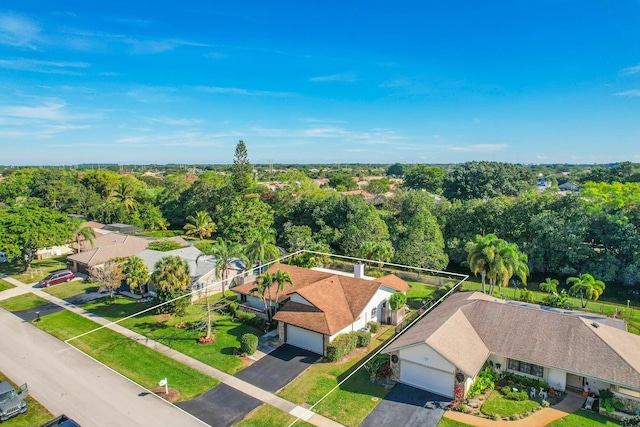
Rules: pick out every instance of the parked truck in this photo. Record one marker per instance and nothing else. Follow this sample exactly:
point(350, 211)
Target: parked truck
point(12, 403)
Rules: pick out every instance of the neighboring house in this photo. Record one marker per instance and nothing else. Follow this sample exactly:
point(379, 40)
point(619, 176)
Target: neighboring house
point(568, 186)
point(201, 267)
point(565, 348)
point(107, 247)
point(365, 194)
point(53, 251)
point(122, 228)
point(323, 304)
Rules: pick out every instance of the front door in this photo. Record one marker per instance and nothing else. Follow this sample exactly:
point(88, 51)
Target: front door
point(575, 381)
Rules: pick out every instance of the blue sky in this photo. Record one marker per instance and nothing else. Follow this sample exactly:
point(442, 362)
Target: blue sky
point(317, 82)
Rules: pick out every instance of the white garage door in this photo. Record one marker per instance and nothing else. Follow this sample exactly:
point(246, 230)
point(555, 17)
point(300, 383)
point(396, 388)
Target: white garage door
point(303, 338)
point(426, 378)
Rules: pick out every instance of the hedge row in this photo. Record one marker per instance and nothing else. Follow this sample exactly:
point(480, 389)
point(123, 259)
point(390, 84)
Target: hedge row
point(346, 343)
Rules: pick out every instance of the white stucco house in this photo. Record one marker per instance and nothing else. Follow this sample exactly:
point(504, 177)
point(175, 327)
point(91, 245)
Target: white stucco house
point(565, 348)
point(323, 304)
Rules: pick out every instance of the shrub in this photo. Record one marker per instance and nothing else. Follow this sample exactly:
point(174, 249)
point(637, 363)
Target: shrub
point(250, 319)
point(397, 301)
point(631, 422)
point(249, 344)
point(341, 346)
point(374, 326)
point(364, 339)
point(517, 395)
point(482, 383)
point(164, 245)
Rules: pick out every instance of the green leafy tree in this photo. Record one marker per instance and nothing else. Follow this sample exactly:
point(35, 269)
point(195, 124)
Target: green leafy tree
point(136, 273)
point(24, 230)
point(473, 180)
point(423, 177)
point(549, 285)
point(200, 225)
point(376, 251)
point(397, 301)
point(586, 287)
point(242, 176)
point(243, 219)
point(263, 247)
point(395, 169)
point(342, 179)
point(124, 193)
point(379, 186)
point(172, 281)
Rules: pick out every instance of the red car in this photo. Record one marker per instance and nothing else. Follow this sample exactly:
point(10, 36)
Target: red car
point(57, 277)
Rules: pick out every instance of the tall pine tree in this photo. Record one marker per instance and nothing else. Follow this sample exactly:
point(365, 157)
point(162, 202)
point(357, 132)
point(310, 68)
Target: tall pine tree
point(242, 178)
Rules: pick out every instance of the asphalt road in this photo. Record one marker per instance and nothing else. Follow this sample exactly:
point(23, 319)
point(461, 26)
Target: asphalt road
point(67, 381)
point(222, 406)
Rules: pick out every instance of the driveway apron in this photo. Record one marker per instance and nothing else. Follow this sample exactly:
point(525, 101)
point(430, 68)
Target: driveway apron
point(278, 368)
point(222, 406)
point(407, 406)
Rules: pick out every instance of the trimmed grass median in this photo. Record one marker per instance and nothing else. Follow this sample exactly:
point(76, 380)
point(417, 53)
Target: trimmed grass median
point(269, 416)
point(4, 285)
point(133, 360)
point(161, 327)
point(22, 302)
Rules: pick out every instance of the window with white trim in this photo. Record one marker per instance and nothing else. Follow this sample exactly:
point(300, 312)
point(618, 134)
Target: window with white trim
point(526, 368)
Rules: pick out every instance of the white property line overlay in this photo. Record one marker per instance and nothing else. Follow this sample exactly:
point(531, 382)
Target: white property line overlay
point(308, 413)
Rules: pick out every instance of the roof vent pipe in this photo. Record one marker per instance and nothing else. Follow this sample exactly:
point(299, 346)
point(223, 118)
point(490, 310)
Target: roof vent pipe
point(358, 270)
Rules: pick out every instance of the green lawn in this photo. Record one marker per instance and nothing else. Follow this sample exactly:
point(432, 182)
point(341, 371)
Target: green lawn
point(350, 403)
point(161, 327)
point(22, 302)
point(133, 360)
point(420, 290)
point(269, 416)
point(497, 404)
point(446, 422)
point(66, 290)
point(35, 416)
point(584, 418)
point(39, 269)
point(4, 285)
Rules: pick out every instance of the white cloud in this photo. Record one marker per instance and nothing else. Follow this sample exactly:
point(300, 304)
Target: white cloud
point(240, 91)
point(18, 31)
point(632, 93)
point(339, 77)
point(39, 66)
point(631, 70)
point(147, 47)
point(49, 111)
point(174, 122)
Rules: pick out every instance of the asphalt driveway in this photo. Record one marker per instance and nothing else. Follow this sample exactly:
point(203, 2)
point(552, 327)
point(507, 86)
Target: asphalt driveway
point(222, 406)
point(32, 313)
point(278, 368)
point(407, 406)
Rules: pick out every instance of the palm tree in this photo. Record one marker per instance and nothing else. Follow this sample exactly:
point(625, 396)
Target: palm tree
point(481, 254)
point(87, 234)
point(263, 248)
point(263, 285)
point(124, 194)
point(172, 280)
point(378, 251)
point(282, 278)
point(201, 225)
point(136, 273)
point(549, 285)
point(225, 254)
point(507, 262)
point(586, 287)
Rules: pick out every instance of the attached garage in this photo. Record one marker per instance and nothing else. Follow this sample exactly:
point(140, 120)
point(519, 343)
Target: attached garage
point(426, 378)
point(306, 339)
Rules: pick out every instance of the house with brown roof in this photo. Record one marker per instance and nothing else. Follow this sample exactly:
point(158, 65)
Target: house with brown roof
point(322, 304)
point(107, 247)
point(565, 348)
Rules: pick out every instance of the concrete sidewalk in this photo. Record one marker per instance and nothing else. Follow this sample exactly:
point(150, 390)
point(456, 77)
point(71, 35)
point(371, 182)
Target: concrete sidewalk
point(570, 404)
point(242, 386)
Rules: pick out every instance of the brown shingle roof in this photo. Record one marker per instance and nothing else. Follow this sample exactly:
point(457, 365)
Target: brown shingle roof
point(337, 300)
point(468, 325)
point(110, 246)
point(394, 282)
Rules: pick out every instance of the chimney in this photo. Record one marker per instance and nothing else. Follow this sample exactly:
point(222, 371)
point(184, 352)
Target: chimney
point(358, 270)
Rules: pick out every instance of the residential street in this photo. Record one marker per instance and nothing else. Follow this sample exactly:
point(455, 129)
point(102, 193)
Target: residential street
point(67, 381)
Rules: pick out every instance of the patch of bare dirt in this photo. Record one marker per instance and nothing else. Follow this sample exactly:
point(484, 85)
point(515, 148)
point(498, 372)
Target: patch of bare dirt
point(172, 396)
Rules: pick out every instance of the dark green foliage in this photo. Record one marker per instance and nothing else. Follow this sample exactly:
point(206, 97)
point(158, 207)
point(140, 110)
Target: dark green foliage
point(631, 422)
point(164, 245)
point(395, 169)
point(484, 381)
point(364, 339)
point(342, 181)
point(374, 327)
point(516, 395)
point(341, 346)
point(423, 177)
point(249, 344)
point(378, 186)
point(250, 319)
point(242, 176)
point(524, 382)
point(397, 301)
point(477, 180)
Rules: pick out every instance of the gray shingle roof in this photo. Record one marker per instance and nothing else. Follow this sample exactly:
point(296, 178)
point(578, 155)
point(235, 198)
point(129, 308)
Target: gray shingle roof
point(469, 325)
